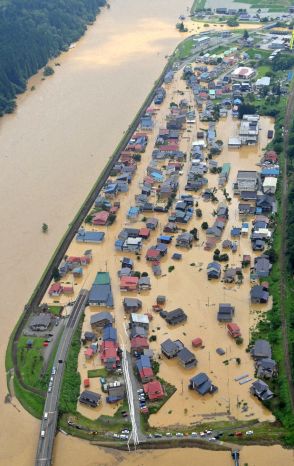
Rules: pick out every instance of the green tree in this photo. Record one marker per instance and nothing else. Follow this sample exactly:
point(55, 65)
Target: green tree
point(45, 228)
point(48, 71)
point(232, 22)
point(245, 35)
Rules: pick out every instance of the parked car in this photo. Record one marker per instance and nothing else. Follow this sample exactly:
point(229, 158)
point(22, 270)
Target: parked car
point(249, 432)
point(179, 434)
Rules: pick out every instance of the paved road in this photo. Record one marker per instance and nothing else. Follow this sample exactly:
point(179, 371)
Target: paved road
point(48, 426)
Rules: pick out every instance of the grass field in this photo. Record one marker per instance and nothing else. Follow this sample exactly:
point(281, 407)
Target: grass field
point(30, 360)
point(185, 49)
point(97, 373)
point(198, 5)
point(31, 402)
point(55, 309)
point(272, 5)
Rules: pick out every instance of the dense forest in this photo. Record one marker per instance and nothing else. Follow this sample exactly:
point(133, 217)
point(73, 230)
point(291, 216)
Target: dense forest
point(31, 32)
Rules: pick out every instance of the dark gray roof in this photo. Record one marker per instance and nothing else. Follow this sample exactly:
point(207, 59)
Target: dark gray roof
point(101, 294)
point(132, 302)
point(261, 349)
point(101, 317)
point(169, 346)
point(186, 355)
point(41, 320)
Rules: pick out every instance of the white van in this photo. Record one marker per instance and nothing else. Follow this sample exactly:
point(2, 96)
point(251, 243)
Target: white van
point(45, 416)
point(42, 433)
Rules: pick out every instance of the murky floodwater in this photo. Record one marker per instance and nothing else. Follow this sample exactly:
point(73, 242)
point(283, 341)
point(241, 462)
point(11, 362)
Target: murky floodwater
point(77, 453)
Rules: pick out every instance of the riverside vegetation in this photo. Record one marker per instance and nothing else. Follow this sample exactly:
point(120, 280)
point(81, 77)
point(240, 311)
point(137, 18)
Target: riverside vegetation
point(32, 32)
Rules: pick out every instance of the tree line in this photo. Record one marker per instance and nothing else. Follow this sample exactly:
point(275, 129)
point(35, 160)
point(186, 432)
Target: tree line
point(33, 31)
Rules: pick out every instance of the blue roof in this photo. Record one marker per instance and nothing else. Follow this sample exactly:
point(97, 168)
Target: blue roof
point(270, 171)
point(84, 236)
point(157, 176)
point(177, 256)
point(145, 361)
point(109, 333)
point(235, 231)
point(133, 212)
point(111, 188)
point(165, 237)
point(100, 294)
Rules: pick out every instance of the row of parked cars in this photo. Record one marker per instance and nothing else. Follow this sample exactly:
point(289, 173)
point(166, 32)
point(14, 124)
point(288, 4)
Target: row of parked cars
point(124, 435)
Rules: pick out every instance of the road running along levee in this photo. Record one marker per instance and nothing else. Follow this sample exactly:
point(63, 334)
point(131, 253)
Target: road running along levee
point(50, 414)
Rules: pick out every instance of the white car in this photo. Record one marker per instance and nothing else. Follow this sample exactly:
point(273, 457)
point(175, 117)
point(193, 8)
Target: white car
point(168, 434)
point(53, 372)
point(194, 434)
point(115, 436)
point(249, 432)
point(208, 432)
point(202, 434)
point(179, 434)
point(212, 439)
point(126, 431)
point(140, 390)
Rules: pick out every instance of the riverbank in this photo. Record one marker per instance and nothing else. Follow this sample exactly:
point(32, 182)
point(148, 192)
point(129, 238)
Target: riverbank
point(71, 450)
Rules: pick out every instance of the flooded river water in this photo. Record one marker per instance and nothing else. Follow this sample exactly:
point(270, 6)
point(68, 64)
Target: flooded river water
point(51, 151)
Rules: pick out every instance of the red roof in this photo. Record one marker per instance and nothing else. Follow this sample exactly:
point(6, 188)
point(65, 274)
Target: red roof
point(139, 342)
point(86, 383)
point(197, 342)
point(55, 288)
point(100, 218)
point(89, 352)
point(169, 147)
point(154, 390)
point(146, 372)
point(153, 254)
point(234, 330)
point(68, 289)
point(73, 259)
point(129, 282)
point(108, 350)
point(139, 135)
point(144, 232)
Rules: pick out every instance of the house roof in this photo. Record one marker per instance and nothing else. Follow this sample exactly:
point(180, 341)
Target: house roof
point(128, 282)
point(153, 389)
point(139, 342)
point(169, 346)
point(261, 349)
point(100, 317)
point(186, 355)
point(139, 318)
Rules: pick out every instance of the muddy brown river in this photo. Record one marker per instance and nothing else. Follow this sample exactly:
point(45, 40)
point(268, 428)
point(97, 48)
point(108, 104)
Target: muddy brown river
point(51, 151)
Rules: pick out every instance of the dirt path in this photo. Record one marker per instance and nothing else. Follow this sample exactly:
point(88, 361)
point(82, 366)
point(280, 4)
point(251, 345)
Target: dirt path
point(282, 256)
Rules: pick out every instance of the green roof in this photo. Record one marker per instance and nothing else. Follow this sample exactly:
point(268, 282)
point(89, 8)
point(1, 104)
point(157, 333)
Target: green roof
point(226, 168)
point(102, 278)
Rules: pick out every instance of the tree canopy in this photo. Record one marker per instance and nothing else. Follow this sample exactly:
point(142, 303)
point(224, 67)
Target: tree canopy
point(31, 32)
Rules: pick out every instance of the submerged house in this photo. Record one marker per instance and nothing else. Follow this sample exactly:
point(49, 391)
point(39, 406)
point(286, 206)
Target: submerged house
point(261, 350)
point(186, 358)
point(202, 384)
point(100, 293)
point(213, 270)
point(225, 313)
point(259, 295)
point(261, 390)
point(175, 317)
